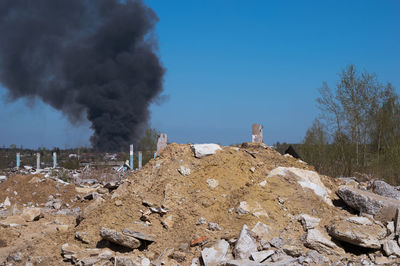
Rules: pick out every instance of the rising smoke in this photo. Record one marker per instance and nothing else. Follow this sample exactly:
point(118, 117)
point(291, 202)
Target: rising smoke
point(87, 58)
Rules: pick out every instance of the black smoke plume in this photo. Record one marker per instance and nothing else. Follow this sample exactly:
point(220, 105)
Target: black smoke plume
point(87, 58)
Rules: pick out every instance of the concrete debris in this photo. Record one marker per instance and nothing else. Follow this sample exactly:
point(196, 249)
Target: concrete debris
point(212, 183)
point(7, 202)
point(318, 241)
point(384, 189)
point(245, 245)
point(306, 179)
point(119, 238)
point(260, 256)
point(201, 221)
point(391, 248)
point(308, 221)
point(31, 214)
point(202, 150)
point(368, 236)
point(138, 235)
point(214, 227)
point(243, 208)
point(359, 220)
point(261, 231)
point(382, 208)
point(216, 254)
point(276, 242)
point(184, 170)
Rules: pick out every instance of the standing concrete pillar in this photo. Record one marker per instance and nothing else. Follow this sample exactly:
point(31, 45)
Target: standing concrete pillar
point(131, 156)
point(38, 160)
point(18, 160)
point(155, 155)
point(161, 143)
point(257, 134)
point(140, 160)
point(54, 159)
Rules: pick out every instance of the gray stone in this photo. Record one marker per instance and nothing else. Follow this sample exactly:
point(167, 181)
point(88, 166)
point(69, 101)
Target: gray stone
point(384, 189)
point(245, 245)
point(118, 238)
point(214, 227)
point(15, 256)
point(138, 235)
point(216, 254)
point(202, 150)
point(201, 221)
point(317, 258)
point(359, 220)
point(212, 183)
point(397, 222)
point(243, 208)
point(261, 230)
point(243, 262)
point(260, 256)
point(391, 248)
point(368, 236)
point(184, 170)
point(308, 221)
point(382, 208)
point(82, 236)
point(276, 242)
point(319, 242)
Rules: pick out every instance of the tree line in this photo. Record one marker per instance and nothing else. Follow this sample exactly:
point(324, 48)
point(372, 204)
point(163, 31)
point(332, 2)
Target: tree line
point(358, 129)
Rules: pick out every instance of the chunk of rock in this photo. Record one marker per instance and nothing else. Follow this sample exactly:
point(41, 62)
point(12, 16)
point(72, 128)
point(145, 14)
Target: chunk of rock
point(184, 170)
point(244, 208)
point(83, 237)
point(359, 220)
point(276, 242)
point(214, 227)
point(133, 260)
point(212, 183)
point(138, 235)
point(243, 262)
point(262, 231)
point(319, 242)
point(216, 254)
point(69, 251)
point(245, 245)
point(391, 248)
point(31, 214)
point(306, 179)
point(7, 202)
point(202, 150)
point(260, 256)
point(384, 189)
point(85, 190)
point(382, 208)
point(368, 236)
point(308, 221)
point(119, 238)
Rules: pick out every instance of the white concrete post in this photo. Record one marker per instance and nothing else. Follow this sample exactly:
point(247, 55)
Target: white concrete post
point(38, 160)
point(140, 160)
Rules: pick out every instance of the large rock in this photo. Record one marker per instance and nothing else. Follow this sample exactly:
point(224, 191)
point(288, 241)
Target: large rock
point(245, 245)
point(363, 235)
point(215, 254)
point(382, 208)
point(31, 214)
point(262, 231)
point(119, 238)
point(306, 179)
point(318, 241)
point(308, 221)
point(384, 189)
point(202, 150)
point(391, 248)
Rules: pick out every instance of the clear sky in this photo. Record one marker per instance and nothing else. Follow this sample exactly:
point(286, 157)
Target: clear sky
point(232, 63)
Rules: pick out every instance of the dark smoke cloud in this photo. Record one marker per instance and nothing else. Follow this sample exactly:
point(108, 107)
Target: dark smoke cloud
point(93, 58)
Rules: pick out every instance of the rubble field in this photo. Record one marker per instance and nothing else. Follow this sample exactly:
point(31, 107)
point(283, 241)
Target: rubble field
point(202, 204)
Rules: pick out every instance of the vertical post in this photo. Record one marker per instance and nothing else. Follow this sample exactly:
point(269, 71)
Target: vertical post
point(140, 160)
point(38, 160)
point(161, 143)
point(257, 134)
point(155, 155)
point(18, 160)
point(131, 157)
point(54, 159)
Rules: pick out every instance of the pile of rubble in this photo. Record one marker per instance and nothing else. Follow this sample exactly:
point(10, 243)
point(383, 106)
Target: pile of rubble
point(204, 205)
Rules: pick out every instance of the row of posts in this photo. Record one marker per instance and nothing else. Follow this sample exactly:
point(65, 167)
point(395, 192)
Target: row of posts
point(37, 160)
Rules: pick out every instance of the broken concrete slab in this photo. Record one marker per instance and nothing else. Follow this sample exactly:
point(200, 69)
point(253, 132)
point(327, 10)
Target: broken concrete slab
point(31, 214)
point(245, 245)
point(216, 254)
point(382, 208)
point(260, 256)
point(306, 179)
point(308, 221)
point(119, 238)
point(368, 236)
point(318, 241)
point(256, 133)
point(185, 171)
point(261, 231)
point(161, 143)
point(139, 235)
point(391, 248)
point(202, 150)
point(382, 188)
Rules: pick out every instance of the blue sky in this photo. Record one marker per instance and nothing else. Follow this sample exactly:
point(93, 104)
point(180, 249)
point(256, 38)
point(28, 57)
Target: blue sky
point(232, 63)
